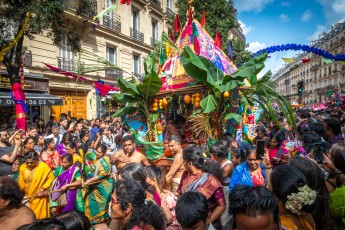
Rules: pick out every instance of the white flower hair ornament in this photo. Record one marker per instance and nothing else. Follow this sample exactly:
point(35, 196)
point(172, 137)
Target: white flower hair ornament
point(296, 201)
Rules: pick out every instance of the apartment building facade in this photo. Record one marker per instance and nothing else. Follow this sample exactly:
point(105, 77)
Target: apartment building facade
point(124, 37)
point(319, 78)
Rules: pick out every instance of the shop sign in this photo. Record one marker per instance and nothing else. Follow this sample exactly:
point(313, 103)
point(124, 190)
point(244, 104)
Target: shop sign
point(32, 102)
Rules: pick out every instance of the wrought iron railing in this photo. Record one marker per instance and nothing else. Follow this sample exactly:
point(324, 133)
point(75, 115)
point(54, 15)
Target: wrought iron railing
point(67, 64)
point(137, 35)
point(156, 3)
point(138, 76)
point(113, 73)
point(169, 12)
point(111, 23)
point(28, 58)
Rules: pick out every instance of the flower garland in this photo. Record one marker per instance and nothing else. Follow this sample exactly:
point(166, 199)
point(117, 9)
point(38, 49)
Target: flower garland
point(296, 201)
point(306, 48)
point(288, 147)
point(16, 40)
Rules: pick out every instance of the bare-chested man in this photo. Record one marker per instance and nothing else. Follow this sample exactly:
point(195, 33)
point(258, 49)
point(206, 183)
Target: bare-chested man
point(13, 214)
point(128, 154)
point(177, 168)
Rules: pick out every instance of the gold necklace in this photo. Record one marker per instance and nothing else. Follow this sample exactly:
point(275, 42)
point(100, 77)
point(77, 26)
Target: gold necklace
point(7, 216)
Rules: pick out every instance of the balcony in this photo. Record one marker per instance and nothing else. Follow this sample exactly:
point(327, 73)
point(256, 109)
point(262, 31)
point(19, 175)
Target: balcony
point(28, 59)
point(138, 75)
point(87, 8)
point(113, 73)
point(137, 35)
point(153, 41)
point(314, 67)
point(156, 3)
point(170, 13)
point(67, 64)
point(110, 22)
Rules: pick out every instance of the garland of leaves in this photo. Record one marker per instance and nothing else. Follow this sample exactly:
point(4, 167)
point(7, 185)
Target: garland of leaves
point(306, 48)
point(16, 40)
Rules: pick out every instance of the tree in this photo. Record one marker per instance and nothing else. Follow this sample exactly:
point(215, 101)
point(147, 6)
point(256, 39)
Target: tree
point(46, 15)
point(220, 16)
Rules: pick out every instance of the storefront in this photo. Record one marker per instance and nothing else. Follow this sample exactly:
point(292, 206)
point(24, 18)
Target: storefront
point(37, 97)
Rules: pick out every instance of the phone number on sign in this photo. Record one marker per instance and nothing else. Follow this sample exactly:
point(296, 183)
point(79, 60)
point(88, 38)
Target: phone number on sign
point(8, 102)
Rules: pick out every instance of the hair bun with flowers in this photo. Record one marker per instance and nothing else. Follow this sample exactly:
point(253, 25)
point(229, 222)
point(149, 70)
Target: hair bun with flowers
point(296, 201)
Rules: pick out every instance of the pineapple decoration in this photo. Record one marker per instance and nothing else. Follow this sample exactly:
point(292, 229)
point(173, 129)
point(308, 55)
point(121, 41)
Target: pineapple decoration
point(196, 100)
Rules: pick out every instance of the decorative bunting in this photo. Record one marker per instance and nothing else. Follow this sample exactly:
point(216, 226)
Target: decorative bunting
point(195, 30)
point(306, 48)
point(305, 60)
point(203, 18)
point(177, 24)
point(190, 16)
point(171, 36)
point(125, 2)
point(327, 60)
point(105, 11)
point(288, 60)
point(218, 41)
point(196, 45)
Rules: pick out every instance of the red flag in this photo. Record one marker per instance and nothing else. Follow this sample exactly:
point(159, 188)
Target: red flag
point(305, 60)
point(125, 2)
point(177, 24)
point(190, 16)
point(218, 41)
point(196, 46)
point(203, 18)
point(171, 35)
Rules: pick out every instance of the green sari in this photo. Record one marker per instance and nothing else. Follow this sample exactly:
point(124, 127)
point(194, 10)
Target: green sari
point(98, 195)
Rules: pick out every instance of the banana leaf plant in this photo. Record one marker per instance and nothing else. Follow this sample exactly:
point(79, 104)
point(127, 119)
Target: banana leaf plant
point(225, 107)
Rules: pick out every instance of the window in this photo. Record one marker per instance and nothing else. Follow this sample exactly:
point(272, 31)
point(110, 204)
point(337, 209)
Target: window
point(135, 20)
point(154, 31)
point(66, 50)
point(136, 64)
point(112, 54)
point(170, 4)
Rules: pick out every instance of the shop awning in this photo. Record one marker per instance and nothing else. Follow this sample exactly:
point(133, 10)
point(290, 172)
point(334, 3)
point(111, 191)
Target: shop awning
point(32, 99)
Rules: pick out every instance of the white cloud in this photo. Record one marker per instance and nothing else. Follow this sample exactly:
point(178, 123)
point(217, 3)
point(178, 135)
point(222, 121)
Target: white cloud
point(251, 6)
point(306, 16)
point(334, 10)
point(286, 4)
point(255, 46)
point(284, 18)
point(246, 29)
point(319, 30)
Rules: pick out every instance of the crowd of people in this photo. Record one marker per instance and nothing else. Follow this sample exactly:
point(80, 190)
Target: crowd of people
point(81, 174)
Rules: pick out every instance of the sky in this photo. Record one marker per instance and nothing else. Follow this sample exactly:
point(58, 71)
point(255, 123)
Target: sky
point(275, 22)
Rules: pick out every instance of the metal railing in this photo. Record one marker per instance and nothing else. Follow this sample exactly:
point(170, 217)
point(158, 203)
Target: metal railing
point(138, 75)
point(153, 41)
point(111, 23)
point(137, 35)
point(67, 64)
point(28, 58)
point(156, 3)
point(169, 12)
point(113, 73)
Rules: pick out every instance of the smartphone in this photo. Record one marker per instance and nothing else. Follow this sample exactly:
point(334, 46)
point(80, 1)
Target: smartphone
point(318, 150)
point(21, 131)
point(260, 149)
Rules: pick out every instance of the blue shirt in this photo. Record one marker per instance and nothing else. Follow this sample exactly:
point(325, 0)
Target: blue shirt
point(241, 176)
point(93, 132)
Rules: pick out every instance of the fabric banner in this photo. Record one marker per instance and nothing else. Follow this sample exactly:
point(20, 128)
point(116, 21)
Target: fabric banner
point(105, 11)
point(327, 60)
point(288, 60)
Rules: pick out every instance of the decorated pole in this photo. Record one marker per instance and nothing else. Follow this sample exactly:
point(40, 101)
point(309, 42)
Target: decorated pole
point(18, 97)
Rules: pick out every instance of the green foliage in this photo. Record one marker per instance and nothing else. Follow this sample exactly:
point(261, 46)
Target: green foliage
point(220, 16)
point(240, 55)
point(47, 15)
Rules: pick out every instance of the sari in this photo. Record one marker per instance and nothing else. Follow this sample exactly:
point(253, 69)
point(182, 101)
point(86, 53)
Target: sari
point(74, 196)
point(51, 159)
point(98, 195)
point(31, 182)
point(287, 222)
point(169, 199)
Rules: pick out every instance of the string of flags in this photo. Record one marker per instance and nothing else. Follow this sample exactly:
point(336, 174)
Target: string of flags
point(306, 60)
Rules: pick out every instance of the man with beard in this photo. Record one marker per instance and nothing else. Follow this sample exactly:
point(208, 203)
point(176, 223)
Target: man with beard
point(55, 135)
point(177, 168)
point(8, 153)
point(63, 125)
point(128, 154)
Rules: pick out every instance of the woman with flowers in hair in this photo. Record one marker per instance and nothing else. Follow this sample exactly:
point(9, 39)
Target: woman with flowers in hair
point(295, 199)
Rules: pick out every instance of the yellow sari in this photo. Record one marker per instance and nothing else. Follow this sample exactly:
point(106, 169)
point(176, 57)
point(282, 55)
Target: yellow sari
point(31, 182)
